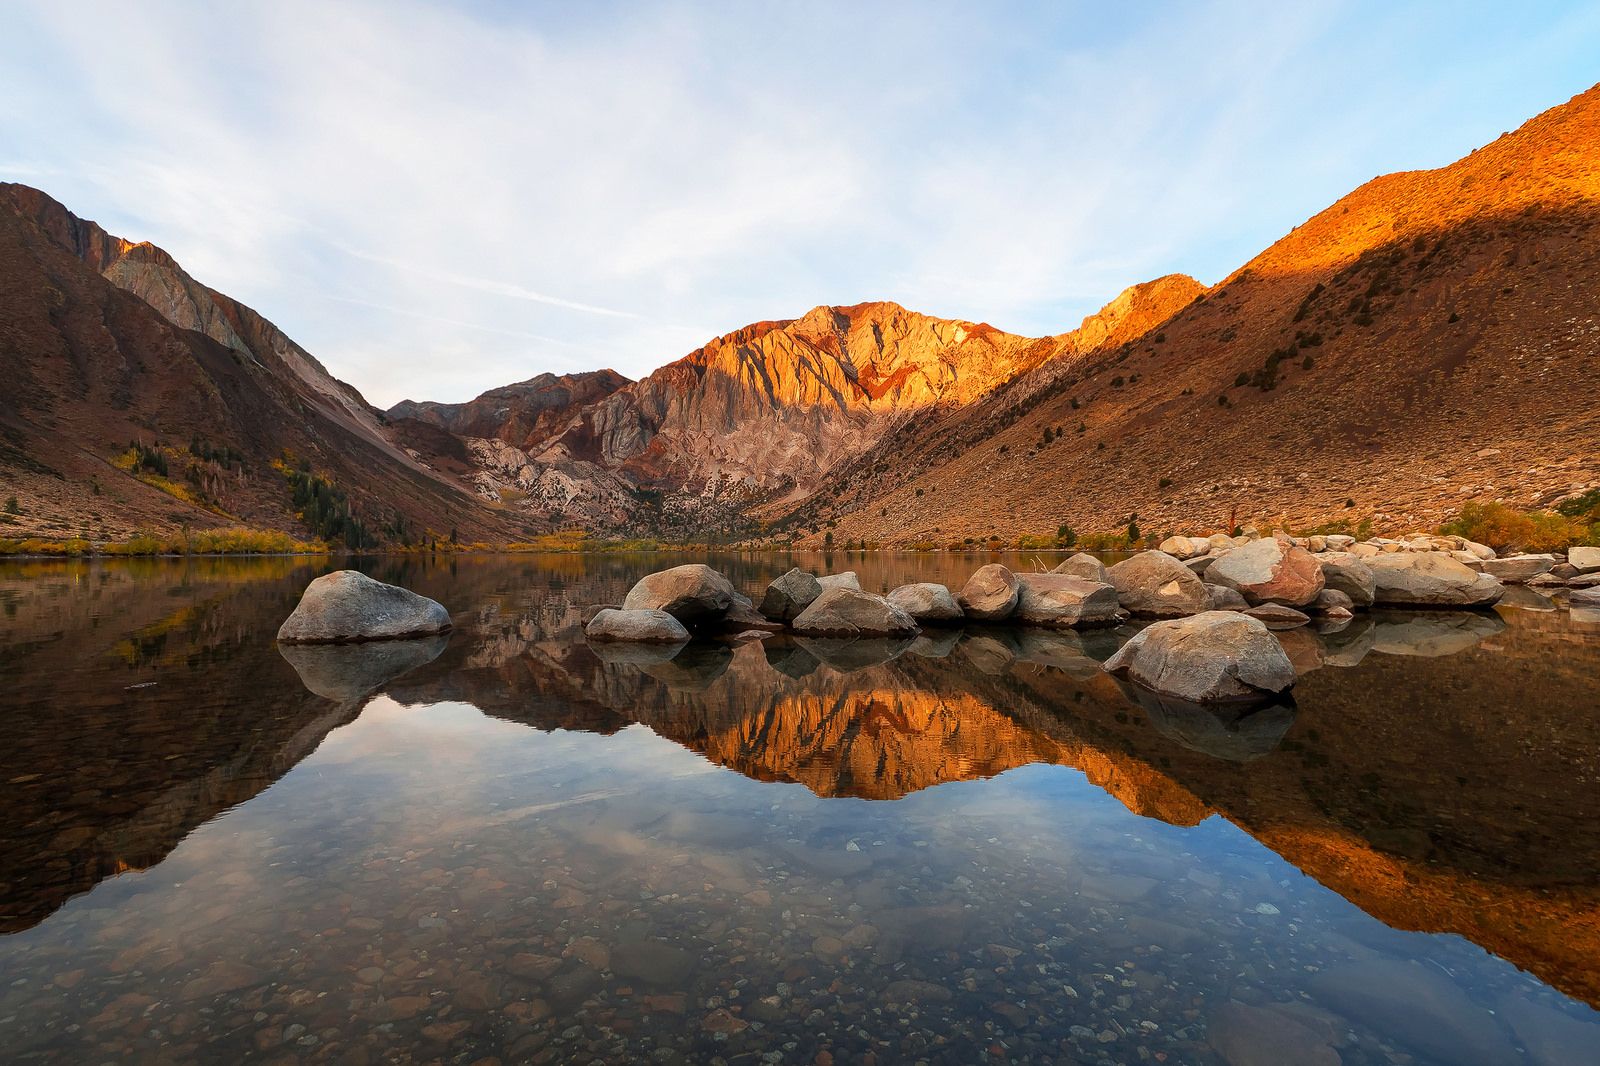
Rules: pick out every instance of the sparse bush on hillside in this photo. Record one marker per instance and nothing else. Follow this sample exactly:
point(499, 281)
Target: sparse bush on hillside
point(1503, 528)
point(11, 505)
point(1585, 506)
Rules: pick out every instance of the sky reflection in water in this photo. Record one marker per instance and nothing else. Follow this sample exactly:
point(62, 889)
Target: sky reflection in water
point(974, 846)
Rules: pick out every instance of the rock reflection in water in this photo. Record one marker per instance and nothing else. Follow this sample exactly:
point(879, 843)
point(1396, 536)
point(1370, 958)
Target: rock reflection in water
point(1237, 733)
point(350, 671)
point(547, 879)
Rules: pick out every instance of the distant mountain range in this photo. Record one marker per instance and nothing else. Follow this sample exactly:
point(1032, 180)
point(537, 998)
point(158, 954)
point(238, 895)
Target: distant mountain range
point(1429, 339)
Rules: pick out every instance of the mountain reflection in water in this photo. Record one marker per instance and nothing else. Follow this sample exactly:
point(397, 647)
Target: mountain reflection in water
point(1437, 771)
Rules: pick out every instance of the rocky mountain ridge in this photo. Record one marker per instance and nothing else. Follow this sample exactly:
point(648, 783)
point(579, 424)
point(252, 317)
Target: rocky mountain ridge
point(1411, 348)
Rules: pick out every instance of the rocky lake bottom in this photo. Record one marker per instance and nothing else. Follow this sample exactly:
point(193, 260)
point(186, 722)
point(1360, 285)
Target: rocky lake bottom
point(505, 845)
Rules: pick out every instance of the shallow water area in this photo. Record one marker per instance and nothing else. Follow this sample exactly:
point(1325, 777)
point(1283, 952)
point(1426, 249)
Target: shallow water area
point(971, 846)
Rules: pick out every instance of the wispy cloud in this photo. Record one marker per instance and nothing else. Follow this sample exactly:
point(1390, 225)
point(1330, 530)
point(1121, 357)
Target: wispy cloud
point(490, 191)
point(489, 286)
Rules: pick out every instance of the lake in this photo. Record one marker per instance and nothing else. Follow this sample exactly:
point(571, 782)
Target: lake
point(507, 846)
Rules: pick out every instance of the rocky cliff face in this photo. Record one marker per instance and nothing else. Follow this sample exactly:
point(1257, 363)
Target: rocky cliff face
point(763, 418)
point(525, 415)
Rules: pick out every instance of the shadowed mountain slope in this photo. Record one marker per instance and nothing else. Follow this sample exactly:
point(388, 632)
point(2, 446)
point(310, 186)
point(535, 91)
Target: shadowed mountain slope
point(1422, 342)
point(104, 343)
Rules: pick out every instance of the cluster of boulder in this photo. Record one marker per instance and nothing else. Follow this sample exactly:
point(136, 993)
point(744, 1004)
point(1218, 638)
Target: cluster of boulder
point(1414, 566)
point(667, 606)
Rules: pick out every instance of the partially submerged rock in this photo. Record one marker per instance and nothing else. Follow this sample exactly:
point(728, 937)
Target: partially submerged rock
point(1331, 600)
point(1277, 616)
point(1063, 600)
point(636, 626)
point(990, 594)
point(1349, 574)
point(929, 602)
point(1153, 584)
point(1085, 566)
point(693, 594)
point(346, 607)
point(845, 580)
point(1430, 579)
point(790, 594)
point(1217, 656)
point(1223, 598)
point(1516, 569)
point(846, 612)
point(1270, 571)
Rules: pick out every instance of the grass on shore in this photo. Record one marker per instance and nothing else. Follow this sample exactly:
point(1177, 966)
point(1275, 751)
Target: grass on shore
point(231, 541)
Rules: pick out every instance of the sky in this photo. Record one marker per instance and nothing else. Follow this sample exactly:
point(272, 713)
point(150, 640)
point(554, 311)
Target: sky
point(436, 199)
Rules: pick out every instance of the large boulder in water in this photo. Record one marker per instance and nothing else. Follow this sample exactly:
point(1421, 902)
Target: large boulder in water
point(1153, 584)
point(929, 602)
point(1271, 570)
point(1084, 565)
point(990, 594)
point(1214, 657)
point(790, 594)
point(693, 594)
point(845, 612)
point(1349, 574)
point(638, 627)
point(346, 606)
point(1430, 579)
point(1063, 600)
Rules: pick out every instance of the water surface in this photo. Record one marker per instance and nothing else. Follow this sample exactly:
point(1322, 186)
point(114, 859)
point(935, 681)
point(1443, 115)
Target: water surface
point(973, 846)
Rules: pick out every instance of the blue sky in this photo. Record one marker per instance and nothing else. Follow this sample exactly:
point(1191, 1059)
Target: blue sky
point(438, 199)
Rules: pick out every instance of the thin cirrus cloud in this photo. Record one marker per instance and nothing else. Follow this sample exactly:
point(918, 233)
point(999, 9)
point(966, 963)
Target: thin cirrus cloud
point(489, 286)
point(439, 199)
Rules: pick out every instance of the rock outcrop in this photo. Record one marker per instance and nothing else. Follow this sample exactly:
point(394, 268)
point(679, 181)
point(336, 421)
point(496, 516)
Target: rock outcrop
point(347, 606)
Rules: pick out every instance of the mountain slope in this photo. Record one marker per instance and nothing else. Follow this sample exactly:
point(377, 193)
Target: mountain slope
point(759, 420)
point(104, 343)
point(1427, 340)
